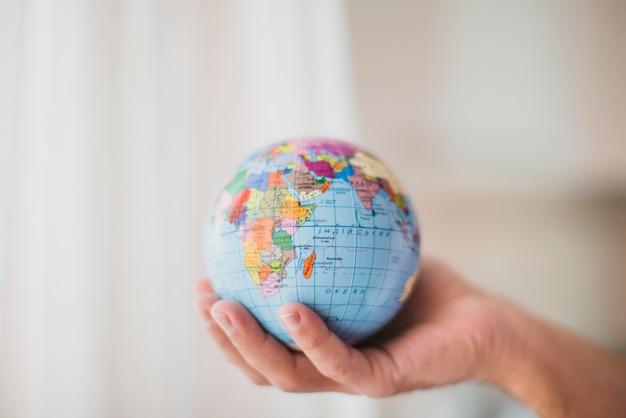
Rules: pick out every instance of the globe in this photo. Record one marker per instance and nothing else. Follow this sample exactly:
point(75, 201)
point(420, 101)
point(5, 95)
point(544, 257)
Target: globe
point(316, 221)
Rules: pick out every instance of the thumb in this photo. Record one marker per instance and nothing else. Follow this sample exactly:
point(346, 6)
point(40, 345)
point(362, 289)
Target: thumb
point(330, 355)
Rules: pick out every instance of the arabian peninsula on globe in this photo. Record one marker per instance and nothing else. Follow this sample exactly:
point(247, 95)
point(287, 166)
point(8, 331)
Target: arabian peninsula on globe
point(316, 221)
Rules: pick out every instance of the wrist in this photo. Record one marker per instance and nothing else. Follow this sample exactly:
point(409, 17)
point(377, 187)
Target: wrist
point(522, 360)
point(551, 370)
point(505, 347)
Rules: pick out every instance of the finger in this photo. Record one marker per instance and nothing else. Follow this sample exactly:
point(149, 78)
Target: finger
point(204, 302)
point(368, 371)
point(204, 286)
point(289, 371)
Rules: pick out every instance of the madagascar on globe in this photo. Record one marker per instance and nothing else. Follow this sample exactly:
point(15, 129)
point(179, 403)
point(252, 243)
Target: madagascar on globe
point(315, 221)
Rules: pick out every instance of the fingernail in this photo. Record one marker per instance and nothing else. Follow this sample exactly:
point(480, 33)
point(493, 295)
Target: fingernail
point(291, 320)
point(223, 321)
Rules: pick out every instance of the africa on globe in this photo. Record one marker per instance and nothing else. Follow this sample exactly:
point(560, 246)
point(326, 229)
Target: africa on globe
point(316, 221)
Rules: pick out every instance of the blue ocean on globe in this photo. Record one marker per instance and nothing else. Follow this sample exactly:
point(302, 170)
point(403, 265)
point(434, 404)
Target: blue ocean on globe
point(316, 221)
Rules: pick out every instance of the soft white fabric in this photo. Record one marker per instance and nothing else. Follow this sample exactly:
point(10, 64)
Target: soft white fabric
point(129, 115)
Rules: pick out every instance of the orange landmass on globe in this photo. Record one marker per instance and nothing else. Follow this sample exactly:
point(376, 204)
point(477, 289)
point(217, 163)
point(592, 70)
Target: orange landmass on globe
point(291, 208)
point(265, 271)
point(309, 263)
point(257, 238)
point(275, 179)
point(260, 232)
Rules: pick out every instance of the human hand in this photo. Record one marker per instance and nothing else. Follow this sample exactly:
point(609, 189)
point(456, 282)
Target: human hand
point(446, 332)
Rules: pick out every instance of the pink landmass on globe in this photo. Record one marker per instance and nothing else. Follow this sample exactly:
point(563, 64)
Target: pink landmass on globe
point(320, 146)
point(271, 285)
point(289, 225)
point(366, 189)
point(320, 168)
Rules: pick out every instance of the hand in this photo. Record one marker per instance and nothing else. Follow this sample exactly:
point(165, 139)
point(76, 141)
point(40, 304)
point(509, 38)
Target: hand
point(446, 332)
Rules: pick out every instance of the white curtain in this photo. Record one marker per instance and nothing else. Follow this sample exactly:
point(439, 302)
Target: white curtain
point(10, 25)
point(128, 115)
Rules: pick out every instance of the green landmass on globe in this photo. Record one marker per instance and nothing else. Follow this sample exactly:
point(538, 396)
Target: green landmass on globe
point(316, 221)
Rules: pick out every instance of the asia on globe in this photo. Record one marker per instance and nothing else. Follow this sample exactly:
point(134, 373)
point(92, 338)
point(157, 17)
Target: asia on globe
point(316, 221)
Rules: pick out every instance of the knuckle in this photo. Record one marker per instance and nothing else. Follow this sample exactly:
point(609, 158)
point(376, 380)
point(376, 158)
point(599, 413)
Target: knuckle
point(378, 391)
point(336, 370)
point(259, 381)
point(288, 385)
point(315, 342)
point(232, 357)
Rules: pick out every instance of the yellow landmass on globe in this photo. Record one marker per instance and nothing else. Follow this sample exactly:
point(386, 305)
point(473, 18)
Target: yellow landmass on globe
point(282, 149)
point(251, 261)
point(408, 287)
point(373, 168)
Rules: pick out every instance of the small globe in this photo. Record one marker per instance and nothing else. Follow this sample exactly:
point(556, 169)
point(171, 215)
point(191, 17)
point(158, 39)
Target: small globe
point(316, 221)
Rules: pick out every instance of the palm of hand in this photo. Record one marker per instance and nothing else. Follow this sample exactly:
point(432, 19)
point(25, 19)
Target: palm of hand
point(442, 335)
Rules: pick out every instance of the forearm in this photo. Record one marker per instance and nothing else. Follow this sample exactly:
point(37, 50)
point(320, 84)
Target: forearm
point(555, 372)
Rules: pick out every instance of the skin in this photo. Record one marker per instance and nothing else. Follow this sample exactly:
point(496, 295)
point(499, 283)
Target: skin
point(448, 331)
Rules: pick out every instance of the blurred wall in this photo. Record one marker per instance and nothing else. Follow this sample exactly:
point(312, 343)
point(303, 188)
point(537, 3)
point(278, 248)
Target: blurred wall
point(501, 121)
point(506, 122)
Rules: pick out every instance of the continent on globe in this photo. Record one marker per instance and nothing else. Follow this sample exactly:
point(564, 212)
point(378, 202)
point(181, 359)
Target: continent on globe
point(316, 221)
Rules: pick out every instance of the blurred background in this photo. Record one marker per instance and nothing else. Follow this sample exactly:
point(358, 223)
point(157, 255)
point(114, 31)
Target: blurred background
point(505, 121)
